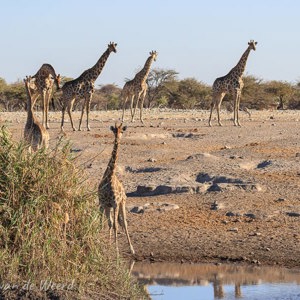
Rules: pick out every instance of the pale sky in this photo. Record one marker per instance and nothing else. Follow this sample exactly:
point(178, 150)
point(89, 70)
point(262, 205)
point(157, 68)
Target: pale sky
point(198, 39)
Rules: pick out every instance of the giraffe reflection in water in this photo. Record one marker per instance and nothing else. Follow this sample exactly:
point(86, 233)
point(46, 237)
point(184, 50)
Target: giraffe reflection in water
point(225, 279)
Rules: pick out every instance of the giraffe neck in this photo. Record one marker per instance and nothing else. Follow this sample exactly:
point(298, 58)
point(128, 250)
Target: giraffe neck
point(241, 65)
point(30, 104)
point(93, 73)
point(143, 74)
point(111, 167)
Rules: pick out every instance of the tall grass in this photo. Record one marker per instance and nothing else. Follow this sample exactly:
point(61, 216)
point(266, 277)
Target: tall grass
point(50, 225)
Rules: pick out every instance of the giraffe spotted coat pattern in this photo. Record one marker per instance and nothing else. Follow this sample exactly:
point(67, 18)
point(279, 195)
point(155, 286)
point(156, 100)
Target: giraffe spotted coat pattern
point(83, 87)
point(35, 134)
point(231, 83)
point(112, 196)
point(137, 88)
point(41, 85)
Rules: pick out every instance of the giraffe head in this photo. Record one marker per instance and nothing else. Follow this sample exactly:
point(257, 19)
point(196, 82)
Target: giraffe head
point(252, 45)
point(57, 80)
point(118, 130)
point(154, 55)
point(112, 47)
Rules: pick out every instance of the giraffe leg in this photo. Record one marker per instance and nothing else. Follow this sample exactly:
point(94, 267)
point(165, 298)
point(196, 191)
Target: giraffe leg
point(82, 112)
point(115, 226)
point(218, 113)
point(238, 109)
point(125, 227)
point(142, 106)
point(124, 105)
point(46, 108)
point(44, 100)
point(69, 110)
point(63, 110)
point(218, 104)
point(212, 106)
point(131, 107)
point(107, 211)
point(136, 104)
point(88, 105)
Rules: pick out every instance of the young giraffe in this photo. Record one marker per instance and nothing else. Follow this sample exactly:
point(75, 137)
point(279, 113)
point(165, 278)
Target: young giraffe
point(83, 87)
point(231, 83)
point(137, 87)
point(42, 85)
point(35, 133)
point(111, 191)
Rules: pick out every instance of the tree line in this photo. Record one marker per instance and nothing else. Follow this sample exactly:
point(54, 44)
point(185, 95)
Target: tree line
point(166, 90)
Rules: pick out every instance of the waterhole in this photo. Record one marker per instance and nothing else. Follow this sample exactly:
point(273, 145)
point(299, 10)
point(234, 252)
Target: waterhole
point(166, 281)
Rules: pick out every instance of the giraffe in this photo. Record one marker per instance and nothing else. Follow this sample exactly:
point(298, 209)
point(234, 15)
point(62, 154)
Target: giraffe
point(35, 133)
point(83, 87)
point(231, 83)
point(137, 87)
point(111, 192)
point(43, 82)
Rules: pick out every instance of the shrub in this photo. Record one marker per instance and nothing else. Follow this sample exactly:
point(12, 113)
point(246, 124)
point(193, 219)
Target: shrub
point(50, 225)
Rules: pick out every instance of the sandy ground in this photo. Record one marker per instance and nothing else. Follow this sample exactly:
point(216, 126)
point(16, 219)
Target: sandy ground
point(199, 193)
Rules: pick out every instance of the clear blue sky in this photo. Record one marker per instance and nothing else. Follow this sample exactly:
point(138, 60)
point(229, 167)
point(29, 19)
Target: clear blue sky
point(199, 39)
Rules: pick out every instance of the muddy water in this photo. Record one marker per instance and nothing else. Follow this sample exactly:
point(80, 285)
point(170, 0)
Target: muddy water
point(166, 281)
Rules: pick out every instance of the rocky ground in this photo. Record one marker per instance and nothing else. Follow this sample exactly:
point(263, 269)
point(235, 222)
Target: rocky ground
point(199, 193)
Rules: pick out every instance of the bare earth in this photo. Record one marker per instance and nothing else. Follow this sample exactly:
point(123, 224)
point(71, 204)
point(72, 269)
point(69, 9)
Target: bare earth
point(195, 193)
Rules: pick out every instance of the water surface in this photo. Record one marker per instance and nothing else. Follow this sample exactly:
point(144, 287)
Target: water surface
point(166, 281)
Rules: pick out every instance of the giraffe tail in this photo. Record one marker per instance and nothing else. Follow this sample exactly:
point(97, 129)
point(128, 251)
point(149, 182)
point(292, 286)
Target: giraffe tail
point(121, 220)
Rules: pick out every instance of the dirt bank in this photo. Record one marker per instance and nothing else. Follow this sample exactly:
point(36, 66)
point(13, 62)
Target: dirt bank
point(236, 191)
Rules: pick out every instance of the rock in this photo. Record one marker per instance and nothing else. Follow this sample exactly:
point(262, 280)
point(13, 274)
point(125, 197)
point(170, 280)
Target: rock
point(167, 207)
point(75, 150)
point(230, 214)
point(137, 210)
point(144, 190)
point(264, 164)
point(250, 215)
point(151, 159)
point(233, 229)
point(225, 147)
point(153, 206)
point(214, 206)
point(293, 214)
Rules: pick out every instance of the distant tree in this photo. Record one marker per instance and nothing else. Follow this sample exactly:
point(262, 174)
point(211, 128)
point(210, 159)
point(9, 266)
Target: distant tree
point(3, 87)
point(65, 79)
point(192, 93)
point(281, 91)
point(15, 96)
point(107, 97)
point(158, 81)
point(253, 94)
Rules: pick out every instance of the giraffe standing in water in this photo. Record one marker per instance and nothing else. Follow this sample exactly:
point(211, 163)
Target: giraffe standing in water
point(35, 133)
point(111, 192)
point(231, 83)
point(83, 87)
point(137, 88)
point(41, 85)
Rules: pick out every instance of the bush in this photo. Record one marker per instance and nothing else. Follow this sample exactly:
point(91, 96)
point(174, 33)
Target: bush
point(50, 225)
